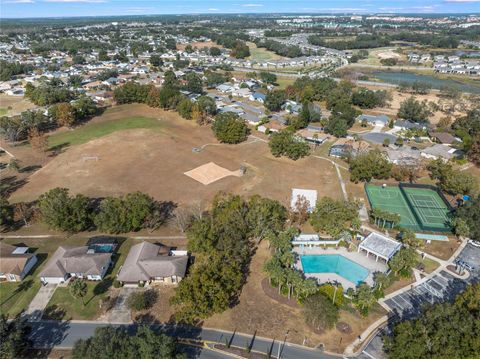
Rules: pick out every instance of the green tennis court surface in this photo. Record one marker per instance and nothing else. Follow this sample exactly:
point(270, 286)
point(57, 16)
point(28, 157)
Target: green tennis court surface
point(419, 208)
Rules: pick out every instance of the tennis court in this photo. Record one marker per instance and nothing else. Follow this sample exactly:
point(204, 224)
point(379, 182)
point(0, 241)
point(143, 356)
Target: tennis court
point(419, 208)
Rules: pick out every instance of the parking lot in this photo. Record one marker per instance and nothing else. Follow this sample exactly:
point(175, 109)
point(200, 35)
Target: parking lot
point(441, 287)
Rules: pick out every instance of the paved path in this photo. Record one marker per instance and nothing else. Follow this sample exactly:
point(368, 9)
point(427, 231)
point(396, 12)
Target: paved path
point(120, 314)
point(40, 301)
point(63, 334)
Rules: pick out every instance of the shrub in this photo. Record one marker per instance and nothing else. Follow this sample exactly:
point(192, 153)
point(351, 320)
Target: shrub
point(142, 300)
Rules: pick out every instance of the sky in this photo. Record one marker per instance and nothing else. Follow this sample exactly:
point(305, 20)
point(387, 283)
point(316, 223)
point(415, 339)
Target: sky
point(66, 8)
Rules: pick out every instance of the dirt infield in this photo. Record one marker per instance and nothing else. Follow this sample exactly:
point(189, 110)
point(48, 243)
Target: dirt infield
point(211, 172)
point(155, 162)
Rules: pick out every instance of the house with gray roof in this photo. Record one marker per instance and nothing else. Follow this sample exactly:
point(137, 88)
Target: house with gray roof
point(441, 151)
point(149, 263)
point(81, 262)
point(374, 120)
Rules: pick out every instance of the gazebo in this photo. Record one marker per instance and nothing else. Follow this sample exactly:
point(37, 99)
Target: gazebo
point(380, 246)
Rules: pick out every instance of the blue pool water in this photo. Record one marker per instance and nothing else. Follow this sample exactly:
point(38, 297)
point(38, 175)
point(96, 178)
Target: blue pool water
point(102, 248)
point(335, 263)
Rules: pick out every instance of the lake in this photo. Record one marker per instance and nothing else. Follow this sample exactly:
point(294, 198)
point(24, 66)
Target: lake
point(397, 77)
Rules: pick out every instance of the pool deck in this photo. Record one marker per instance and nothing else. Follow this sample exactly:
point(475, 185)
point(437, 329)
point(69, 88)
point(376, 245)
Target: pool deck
point(360, 258)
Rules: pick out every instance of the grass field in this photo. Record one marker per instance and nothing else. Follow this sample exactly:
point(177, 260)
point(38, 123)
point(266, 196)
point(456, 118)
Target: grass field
point(261, 54)
point(91, 131)
point(3, 111)
point(154, 161)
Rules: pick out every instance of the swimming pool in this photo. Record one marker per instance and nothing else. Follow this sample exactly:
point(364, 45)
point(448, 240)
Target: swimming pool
point(335, 263)
point(102, 248)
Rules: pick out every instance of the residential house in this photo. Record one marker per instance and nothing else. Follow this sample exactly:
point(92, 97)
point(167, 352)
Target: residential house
point(443, 138)
point(81, 262)
point(312, 136)
point(271, 126)
point(441, 151)
point(149, 263)
point(257, 96)
point(403, 155)
point(15, 262)
point(374, 120)
point(407, 125)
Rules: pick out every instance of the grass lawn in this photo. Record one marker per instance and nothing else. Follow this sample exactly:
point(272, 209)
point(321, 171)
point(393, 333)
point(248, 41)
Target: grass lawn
point(3, 111)
point(64, 306)
point(430, 265)
point(261, 54)
point(91, 131)
point(283, 82)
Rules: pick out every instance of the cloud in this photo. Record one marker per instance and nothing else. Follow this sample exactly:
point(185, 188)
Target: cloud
point(252, 5)
point(213, 9)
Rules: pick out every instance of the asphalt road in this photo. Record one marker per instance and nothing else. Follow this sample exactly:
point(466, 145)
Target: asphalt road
point(47, 334)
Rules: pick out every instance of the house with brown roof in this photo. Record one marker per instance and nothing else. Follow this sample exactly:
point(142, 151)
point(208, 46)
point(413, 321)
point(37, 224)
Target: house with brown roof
point(149, 263)
point(15, 262)
point(443, 138)
point(81, 262)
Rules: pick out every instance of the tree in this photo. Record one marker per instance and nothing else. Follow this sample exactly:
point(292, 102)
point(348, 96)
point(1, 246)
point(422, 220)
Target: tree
point(14, 164)
point(364, 298)
point(65, 213)
point(285, 143)
point(409, 238)
point(14, 340)
point(300, 212)
point(319, 312)
point(193, 83)
point(6, 212)
point(37, 140)
point(115, 342)
point(444, 330)
point(185, 108)
point(65, 114)
point(142, 300)
point(268, 77)
point(366, 166)
point(103, 55)
point(454, 182)
point(386, 142)
point(333, 217)
point(274, 100)
point(413, 110)
point(156, 60)
point(78, 289)
point(215, 51)
point(403, 262)
point(230, 128)
point(125, 214)
point(469, 213)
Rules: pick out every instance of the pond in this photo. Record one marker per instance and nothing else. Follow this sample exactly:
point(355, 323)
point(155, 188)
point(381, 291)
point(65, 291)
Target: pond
point(397, 77)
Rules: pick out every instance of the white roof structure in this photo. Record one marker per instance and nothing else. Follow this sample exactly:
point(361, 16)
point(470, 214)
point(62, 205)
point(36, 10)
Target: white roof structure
point(309, 194)
point(380, 245)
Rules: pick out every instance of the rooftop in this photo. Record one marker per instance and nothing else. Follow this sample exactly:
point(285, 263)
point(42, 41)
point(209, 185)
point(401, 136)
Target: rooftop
point(380, 245)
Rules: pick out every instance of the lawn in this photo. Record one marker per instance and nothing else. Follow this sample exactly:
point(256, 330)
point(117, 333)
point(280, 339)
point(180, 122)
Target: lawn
point(261, 54)
point(283, 81)
point(430, 265)
point(64, 306)
point(3, 111)
point(91, 131)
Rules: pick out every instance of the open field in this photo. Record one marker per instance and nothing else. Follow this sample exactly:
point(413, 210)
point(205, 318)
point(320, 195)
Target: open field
point(199, 44)
point(261, 54)
point(256, 312)
point(375, 55)
point(154, 161)
point(14, 105)
point(91, 131)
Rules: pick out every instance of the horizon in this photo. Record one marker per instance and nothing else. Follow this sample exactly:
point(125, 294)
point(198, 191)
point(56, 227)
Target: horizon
point(64, 9)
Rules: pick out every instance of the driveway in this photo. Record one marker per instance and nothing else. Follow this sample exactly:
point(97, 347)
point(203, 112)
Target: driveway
point(39, 302)
point(120, 313)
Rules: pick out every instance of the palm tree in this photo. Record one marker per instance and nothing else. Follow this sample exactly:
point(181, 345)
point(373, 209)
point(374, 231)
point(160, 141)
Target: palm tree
point(78, 289)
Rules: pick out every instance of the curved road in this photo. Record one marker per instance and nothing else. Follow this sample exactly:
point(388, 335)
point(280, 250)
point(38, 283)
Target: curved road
point(64, 334)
